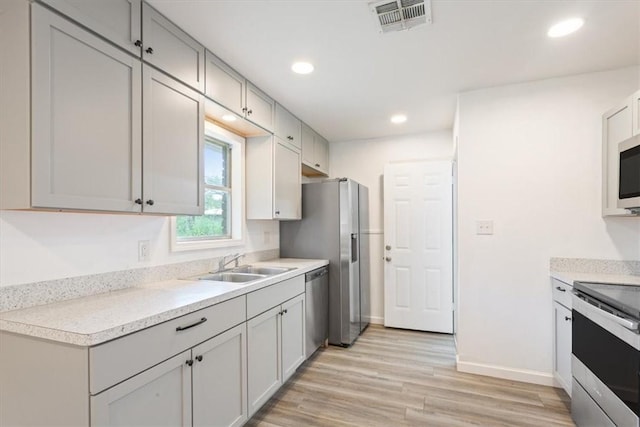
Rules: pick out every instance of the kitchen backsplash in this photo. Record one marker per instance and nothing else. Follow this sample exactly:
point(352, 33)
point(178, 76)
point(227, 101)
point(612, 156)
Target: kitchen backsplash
point(45, 292)
point(598, 266)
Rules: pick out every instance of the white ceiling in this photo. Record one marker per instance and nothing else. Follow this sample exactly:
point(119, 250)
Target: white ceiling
point(362, 77)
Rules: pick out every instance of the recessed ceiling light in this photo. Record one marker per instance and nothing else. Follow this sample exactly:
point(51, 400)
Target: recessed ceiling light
point(564, 28)
point(302, 67)
point(229, 118)
point(398, 118)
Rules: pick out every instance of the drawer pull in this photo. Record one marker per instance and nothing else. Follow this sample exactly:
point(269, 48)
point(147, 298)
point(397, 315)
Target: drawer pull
point(199, 322)
point(561, 289)
point(567, 318)
point(199, 358)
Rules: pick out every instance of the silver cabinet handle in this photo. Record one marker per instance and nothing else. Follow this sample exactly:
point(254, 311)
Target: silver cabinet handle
point(388, 259)
point(561, 289)
point(388, 247)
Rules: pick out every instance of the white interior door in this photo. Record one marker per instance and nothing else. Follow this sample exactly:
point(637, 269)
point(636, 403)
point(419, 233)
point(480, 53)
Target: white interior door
point(418, 235)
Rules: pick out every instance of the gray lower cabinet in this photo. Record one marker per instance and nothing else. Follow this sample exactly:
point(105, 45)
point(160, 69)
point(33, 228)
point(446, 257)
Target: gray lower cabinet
point(293, 334)
point(562, 319)
point(220, 380)
point(204, 386)
point(263, 336)
point(211, 367)
point(275, 337)
point(160, 396)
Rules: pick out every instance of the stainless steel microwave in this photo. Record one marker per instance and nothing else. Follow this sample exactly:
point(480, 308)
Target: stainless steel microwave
point(629, 174)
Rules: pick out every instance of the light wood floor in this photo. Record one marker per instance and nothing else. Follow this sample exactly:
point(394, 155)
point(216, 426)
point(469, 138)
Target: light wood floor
point(393, 377)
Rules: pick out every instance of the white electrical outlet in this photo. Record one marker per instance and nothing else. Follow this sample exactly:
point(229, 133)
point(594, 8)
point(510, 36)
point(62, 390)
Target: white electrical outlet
point(143, 250)
point(484, 227)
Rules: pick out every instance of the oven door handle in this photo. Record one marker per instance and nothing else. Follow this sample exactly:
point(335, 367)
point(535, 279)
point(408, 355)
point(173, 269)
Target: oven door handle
point(632, 325)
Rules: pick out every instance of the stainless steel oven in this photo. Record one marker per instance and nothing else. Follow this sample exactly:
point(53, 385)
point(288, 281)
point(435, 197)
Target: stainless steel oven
point(605, 361)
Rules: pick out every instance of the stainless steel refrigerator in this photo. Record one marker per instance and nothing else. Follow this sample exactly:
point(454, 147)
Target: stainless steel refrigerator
point(334, 215)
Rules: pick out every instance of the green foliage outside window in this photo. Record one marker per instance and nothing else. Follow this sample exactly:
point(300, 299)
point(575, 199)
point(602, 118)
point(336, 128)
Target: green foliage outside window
point(216, 221)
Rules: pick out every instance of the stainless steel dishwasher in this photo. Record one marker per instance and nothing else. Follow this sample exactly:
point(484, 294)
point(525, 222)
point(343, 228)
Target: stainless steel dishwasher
point(317, 308)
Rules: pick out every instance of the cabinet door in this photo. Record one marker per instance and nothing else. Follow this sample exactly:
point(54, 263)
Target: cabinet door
point(116, 20)
point(220, 380)
point(287, 190)
point(293, 335)
point(172, 50)
point(617, 125)
point(321, 154)
point(172, 146)
point(288, 127)
point(260, 107)
point(307, 141)
point(263, 357)
point(562, 346)
point(86, 137)
point(635, 99)
point(159, 396)
point(224, 85)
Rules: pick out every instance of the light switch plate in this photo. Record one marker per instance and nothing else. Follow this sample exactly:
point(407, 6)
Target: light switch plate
point(484, 227)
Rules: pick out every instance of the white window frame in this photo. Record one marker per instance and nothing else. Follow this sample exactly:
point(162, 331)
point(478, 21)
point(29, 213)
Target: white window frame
point(238, 220)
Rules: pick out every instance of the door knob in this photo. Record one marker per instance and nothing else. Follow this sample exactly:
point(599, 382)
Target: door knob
point(388, 259)
point(388, 247)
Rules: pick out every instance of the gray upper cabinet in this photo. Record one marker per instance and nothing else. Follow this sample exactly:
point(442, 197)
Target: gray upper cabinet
point(315, 153)
point(86, 113)
point(230, 89)
point(224, 85)
point(288, 127)
point(116, 20)
point(167, 47)
point(617, 126)
point(260, 107)
point(307, 136)
point(173, 129)
point(92, 158)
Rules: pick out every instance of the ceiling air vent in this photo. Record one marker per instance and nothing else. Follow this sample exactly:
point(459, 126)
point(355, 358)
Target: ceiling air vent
point(398, 15)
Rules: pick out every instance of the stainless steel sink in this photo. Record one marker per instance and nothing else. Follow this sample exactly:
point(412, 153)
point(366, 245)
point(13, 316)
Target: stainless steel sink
point(234, 277)
point(268, 271)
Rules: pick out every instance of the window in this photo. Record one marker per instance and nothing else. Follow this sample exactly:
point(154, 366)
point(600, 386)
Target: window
point(222, 222)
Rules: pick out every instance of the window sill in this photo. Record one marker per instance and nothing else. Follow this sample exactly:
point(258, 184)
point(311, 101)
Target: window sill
point(205, 244)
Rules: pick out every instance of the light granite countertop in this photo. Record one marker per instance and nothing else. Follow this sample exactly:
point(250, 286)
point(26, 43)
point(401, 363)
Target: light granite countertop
point(569, 277)
point(95, 319)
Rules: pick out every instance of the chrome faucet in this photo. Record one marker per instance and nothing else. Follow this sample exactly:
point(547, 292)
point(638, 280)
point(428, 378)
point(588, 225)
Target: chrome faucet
point(224, 261)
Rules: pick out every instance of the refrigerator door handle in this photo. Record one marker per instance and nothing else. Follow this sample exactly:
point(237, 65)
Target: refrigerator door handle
point(354, 247)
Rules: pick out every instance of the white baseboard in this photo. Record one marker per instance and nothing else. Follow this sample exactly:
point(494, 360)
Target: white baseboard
point(524, 375)
point(377, 320)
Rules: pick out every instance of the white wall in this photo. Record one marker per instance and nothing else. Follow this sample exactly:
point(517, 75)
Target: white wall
point(363, 161)
point(529, 158)
point(37, 246)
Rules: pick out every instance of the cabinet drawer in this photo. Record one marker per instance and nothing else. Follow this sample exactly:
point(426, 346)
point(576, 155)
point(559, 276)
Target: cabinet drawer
point(122, 358)
point(562, 292)
point(263, 299)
